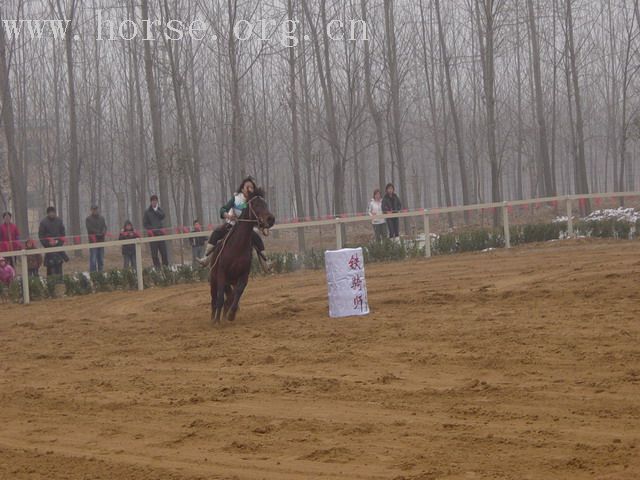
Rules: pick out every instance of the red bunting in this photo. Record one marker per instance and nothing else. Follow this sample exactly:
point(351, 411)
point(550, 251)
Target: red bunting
point(598, 201)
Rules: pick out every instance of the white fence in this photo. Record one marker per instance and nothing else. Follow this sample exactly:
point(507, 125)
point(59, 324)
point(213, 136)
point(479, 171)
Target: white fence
point(338, 221)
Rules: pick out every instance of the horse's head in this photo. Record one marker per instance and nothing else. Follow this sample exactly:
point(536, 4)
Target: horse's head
point(258, 211)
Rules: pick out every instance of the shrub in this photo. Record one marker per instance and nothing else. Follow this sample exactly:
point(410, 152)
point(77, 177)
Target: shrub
point(100, 281)
point(129, 279)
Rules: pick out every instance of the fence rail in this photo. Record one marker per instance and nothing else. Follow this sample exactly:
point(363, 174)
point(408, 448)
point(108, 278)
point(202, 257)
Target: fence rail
point(337, 221)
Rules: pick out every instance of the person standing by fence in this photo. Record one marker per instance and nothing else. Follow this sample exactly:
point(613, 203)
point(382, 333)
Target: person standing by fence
point(154, 223)
point(375, 208)
point(128, 251)
point(197, 243)
point(9, 237)
point(391, 204)
point(51, 234)
point(96, 229)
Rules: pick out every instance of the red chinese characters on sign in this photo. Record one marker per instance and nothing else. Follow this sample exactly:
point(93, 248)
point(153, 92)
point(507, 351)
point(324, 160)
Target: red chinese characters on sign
point(354, 262)
point(357, 283)
point(358, 302)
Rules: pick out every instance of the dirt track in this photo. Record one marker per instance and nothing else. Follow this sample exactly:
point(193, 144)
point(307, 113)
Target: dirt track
point(521, 364)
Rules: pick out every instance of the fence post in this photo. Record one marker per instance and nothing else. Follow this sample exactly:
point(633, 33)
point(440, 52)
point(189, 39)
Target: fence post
point(569, 217)
point(26, 299)
point(427, 236)
point(139, 273)
point(505, 221)
point(338, 233)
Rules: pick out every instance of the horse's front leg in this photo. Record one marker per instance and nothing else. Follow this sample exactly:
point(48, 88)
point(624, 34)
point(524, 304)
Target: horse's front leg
point(237, 293)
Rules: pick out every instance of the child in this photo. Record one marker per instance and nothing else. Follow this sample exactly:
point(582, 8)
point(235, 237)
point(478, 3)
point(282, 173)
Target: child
point(7, 273)
point(34, 262)
point(128, 251)
point(375, 208)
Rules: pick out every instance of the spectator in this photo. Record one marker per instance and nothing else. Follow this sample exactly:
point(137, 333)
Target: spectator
point(197, 244)
point(34, 262)
point(153, 223)
point(7, 273)
point(391, 204)
point(96, 229)
point(375, 208)
point(9, 236)
point(51, 234)
point(128, 251)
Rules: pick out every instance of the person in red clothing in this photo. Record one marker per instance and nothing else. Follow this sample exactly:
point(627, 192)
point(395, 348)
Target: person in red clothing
point(9, 237)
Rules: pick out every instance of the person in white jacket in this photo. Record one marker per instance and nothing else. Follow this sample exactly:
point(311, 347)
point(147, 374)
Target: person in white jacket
point(379, 223)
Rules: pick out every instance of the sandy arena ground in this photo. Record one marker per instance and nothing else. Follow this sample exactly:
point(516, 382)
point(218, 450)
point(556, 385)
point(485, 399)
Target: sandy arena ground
point(521, 364)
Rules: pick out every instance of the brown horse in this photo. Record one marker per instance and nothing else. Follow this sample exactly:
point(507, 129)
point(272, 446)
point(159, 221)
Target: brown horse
point(229, 273)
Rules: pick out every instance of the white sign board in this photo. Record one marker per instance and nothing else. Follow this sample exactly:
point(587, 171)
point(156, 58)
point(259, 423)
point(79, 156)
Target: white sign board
point(347, 286)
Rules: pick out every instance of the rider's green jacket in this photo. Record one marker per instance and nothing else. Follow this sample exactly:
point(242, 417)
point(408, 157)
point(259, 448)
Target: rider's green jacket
point(238, 202)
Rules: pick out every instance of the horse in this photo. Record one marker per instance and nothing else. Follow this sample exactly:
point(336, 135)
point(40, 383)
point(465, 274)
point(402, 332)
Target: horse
point(229, 273)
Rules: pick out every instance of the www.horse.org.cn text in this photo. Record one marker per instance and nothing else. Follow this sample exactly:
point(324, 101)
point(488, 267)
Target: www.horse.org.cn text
point(286, 33)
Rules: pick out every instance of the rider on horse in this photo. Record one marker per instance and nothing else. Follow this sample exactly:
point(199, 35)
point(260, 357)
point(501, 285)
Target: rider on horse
point(230, 212)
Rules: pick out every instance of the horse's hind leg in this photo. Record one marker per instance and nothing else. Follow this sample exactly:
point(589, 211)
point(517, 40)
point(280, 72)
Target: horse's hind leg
point(219, 297)
point(228, 299)
point(214, 296)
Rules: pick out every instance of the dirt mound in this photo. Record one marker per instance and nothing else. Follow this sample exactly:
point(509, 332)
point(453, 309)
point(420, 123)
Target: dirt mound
point(507, 364)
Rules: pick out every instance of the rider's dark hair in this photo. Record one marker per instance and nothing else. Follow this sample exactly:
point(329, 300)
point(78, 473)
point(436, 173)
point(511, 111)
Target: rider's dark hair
point(248, 179)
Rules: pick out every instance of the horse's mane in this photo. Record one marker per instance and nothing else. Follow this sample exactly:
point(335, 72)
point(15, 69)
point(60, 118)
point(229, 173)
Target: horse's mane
point(258, 192)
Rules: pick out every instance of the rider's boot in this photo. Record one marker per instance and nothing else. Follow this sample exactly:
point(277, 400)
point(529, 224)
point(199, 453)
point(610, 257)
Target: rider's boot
point(264, 261)
point(206, 260)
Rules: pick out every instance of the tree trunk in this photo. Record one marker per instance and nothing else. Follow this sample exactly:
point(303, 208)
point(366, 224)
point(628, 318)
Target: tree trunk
point(543, 146)
point(17, 179)
point(376, 114)
point(454, 111)
point(156, 119)
point(582, 185)
point(394, 85)
point(293, 105)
